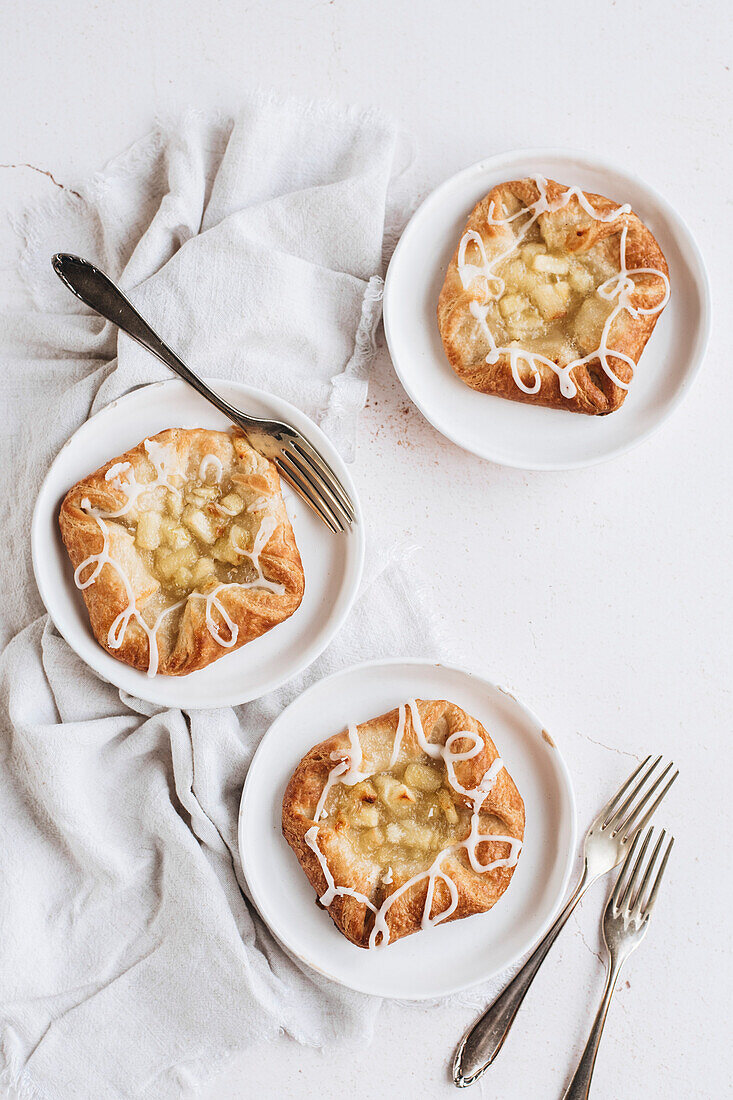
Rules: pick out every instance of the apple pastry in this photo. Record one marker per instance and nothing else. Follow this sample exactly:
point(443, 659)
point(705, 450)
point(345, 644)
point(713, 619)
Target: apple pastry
point(183, 550)
point(551, 296)
point(404, 822)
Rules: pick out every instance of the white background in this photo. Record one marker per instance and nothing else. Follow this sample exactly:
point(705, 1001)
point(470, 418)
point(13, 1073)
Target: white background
point(598, 596)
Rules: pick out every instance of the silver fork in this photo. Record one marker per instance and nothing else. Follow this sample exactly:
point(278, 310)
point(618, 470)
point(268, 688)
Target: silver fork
point(296, 459)
point(625, 922)
point(607, 842)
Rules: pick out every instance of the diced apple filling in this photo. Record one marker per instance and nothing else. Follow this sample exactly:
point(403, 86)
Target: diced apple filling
point(232, 504)
point(233, 547)
point(512, 304)
point(174, 503)
point(420, 836)
point(203, 570)
point(589, 321)
point(173, 535)
point(552, 299)
point(529, 251)
point(365, 791)
point(448, 808)
point(395, 795)
point(581, 279)
point(542, 305)
point(202, 494)
point(514, 274)
point(199, 524)
point(367, 817)
point(147, 535)
point(422, 777)
point(169, 562)
point(193, 537)
point(554, 265)
point(400, 818)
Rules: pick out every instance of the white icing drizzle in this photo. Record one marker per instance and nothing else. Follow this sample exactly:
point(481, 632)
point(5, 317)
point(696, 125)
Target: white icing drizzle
point(332, 890)
point(160, 454)
point(388, 877)
point(398, 737)
point(206, 462)
point(265, 531)
point(115, 470)
point(620, 286)
point(348, 771)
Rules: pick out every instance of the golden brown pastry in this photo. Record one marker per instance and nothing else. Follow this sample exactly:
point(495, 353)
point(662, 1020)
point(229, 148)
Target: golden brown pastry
point(551, 296)
point(183, 550)
point(404, 822)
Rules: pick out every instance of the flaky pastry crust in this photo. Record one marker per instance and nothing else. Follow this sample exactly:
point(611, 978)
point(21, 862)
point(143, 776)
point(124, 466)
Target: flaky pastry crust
point(230, 488)
point(391, 778)
point(571, 237)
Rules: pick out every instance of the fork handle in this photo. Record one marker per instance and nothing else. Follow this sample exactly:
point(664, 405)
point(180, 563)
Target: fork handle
point(579, 1087)
point(483, 1041)
point(97, 291)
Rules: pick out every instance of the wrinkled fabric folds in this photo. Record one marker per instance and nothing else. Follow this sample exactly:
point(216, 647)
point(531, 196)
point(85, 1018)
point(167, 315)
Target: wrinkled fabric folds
point(131, 963)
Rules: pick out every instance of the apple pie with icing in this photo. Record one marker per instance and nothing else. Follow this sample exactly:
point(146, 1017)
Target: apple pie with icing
point(551, 296)
point(405, 822)
point(183, 550)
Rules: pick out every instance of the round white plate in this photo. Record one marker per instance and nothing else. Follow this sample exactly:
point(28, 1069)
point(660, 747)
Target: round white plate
point(449, 957)
point(508, 432)
point(332, 563)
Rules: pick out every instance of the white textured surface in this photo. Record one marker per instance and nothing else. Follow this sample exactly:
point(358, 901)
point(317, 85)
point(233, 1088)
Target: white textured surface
point(598, 596)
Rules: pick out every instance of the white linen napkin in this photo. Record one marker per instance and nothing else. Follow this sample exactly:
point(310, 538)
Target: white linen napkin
point(131, 963)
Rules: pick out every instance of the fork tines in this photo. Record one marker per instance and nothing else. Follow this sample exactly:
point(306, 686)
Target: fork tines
point(309, 474)
point(631, 815)
point(632, 898)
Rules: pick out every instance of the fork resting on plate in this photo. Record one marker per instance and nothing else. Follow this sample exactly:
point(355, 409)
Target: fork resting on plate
point(297, 460)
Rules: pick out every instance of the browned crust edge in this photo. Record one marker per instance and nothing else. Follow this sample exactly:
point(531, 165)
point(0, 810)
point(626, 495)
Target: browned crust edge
point(642, 250)
point(476, 893)
point(254, 611)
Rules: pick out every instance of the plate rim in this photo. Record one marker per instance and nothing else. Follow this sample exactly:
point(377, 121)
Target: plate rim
point(567, 786)
point(282, 408)
point(702, 279)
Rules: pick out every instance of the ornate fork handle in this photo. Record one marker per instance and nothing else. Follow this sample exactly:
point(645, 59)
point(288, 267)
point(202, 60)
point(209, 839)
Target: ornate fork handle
point(484, 1039)
point(98, 291)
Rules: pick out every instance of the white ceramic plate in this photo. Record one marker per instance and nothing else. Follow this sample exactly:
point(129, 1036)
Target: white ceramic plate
point(332, 563)
point(450, 957)
point(523, 435)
